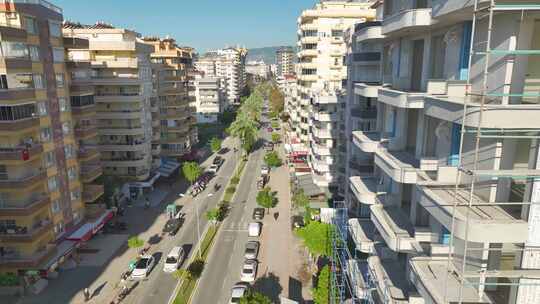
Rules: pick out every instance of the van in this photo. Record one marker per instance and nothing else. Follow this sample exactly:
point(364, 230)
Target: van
point(174, 259)
point(254, 229)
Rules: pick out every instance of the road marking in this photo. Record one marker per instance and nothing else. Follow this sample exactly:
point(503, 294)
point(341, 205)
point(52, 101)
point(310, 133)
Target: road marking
point(234, 230)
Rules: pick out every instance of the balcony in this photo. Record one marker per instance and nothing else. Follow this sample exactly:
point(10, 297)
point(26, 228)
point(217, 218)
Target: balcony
point(25, 234)
point(365, 188)
point(134, 97)
point(124, 114)
point(127, 63)
point(487, 223)
point(111, 80)
point(312, 77)
point(362, 234)
point(367, 90)
point(82, 132)
point(19, 125)
point(92, 192)
point(15, 259)
point(18, 94)
point(324, 133)
point(90, 172)
point(336, 40)
point(325, 117)
point(368, 31)
point(409, 21)
point(124, 162)
point(11, 64)
point(401, 166)
point(495, 115)
point(364, 113)
point(394, 226)
point(308, 53)
point(26, 180)
point(307, 65)
point(12, 32)
point(75, 43)
point(402, 99)
point(368, 142)
point(88, 152)
point(121, 130)
point(321, 149)
point(365, 58)
point(126, 147)
point(309, 39)
point(389, 279)
point(22, 152)
point(24, 207)
point(456, 8)
point(430, 277)
point(96, 45)
point(85, 110)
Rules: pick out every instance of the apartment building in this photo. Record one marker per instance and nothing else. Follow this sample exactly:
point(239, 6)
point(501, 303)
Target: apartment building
point(321, 78)
point(122, 76)
point(173, 121)
point(284, 61)
point(40, 189)
point(448, 213)
point(258, 68)
point(209, 99)
point(229, 65)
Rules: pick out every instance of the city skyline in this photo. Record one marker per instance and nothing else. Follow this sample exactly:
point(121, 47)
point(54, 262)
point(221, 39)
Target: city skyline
point(240, 23)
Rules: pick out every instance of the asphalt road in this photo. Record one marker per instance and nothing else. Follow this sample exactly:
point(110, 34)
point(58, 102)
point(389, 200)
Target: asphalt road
point(159, 286)
point(227, 256)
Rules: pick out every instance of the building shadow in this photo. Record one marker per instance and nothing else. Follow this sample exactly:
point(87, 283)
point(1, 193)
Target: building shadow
point(269, 286)
point(295, 290)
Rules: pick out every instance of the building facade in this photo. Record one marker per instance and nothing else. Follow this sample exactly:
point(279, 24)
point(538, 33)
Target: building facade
point(122, 76)
point(284, 61)
point(321, 77)
point(443, 150)
point(209, 99)
point(258, 68)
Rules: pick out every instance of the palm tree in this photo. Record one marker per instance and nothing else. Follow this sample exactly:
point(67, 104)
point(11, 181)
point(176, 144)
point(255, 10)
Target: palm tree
point(245, 129)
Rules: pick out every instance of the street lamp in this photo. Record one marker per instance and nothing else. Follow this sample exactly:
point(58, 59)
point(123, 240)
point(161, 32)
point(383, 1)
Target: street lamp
point(198, 221)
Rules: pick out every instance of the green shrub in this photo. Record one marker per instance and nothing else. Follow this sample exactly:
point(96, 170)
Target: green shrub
point(9, 280)
point(231, 189)
point(235, 180)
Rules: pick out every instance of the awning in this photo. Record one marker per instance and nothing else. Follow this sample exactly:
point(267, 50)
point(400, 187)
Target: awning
point(63, 249)
point(146, 184)
point(98, 224)
point(305, 182)
point(167, 168)
point(83, 234)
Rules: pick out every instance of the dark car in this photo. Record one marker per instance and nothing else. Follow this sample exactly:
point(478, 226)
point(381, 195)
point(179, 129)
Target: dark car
point(218, 161)
point(223, 151)
point(172, 226)
point(297, 221)
point(258, 213)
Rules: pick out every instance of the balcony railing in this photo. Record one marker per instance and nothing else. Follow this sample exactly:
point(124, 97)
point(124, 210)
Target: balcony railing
point(21, 152)
point(23, 206)
point(23, 233)
point(26, 179)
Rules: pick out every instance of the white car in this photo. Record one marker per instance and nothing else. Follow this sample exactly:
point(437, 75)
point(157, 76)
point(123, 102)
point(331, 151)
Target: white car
point(265, 170)
point(173, 260)
point(237, 292)
point(213, 169)
point(254, 229)
point(249, 271)
point(143, 267)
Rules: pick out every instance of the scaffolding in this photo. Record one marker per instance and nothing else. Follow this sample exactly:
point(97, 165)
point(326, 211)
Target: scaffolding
point(480, 97)
point(345, 270)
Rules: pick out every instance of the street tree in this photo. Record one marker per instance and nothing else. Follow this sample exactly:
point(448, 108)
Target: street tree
point(322, 291)
point(135, 242)
point(300, 199)
point(267, 199)
point(254, 297)
point(245, 129)
point(272, 159)
point(191, 171)
point(276, 137)
point(213, 215)
point(316, 237)
point(277, 100)
point(215, 144)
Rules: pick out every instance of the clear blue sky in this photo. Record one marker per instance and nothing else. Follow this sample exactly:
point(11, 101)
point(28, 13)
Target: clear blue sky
point(203, 24)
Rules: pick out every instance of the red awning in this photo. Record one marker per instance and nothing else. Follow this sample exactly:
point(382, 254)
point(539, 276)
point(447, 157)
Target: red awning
point(98, 224)
point(83, 234)
point(299, 153)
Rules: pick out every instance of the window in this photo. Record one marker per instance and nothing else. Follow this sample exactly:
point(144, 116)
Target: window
point(42, 108)
point(38, 81)
point(62, 104)
point(60, 80)
point(81, 101)
point(49, 159)
point(66, 128)
point(11, 49)
point(55, 29)
point(52, 184)
point(59, 228)
point(34, 52)
point(58, 54)
point(17, 112)
point(72, 173)
point(75, 195)
point(45, 134)
point(69, 151)
point(3, 172)
point(337, 33)
point(3, 82)
point(30, 25)
point(55, 206)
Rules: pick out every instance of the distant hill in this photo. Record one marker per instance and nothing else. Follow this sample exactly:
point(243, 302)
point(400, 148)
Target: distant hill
point(267, 54)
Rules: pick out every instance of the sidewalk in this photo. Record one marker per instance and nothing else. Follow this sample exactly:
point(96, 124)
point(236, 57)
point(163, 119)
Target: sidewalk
point(282, 255)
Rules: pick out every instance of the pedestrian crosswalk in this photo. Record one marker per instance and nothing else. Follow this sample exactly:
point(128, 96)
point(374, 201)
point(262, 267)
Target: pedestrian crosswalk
point(235, 226)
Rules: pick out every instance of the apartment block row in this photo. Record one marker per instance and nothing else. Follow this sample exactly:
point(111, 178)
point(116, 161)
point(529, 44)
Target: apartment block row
point(78, 102)
point(442, 152)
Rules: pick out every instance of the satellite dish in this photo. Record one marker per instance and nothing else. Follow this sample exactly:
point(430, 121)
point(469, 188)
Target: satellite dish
point(443, 131)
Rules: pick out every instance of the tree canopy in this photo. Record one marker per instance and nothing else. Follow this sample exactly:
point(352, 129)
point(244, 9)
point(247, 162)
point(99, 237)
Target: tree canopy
point(300, 199)
point(253, 297)
point(266, 198)
point(322, 291)
point(135, 242)
point(276, 137)
point(272, 159)
point(245, 129)
point(316, 237)
point(191, 171)
point(215, 144)
point(277, 100)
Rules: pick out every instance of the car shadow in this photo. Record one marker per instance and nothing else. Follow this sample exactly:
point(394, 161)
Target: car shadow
point(269, 285)
point(157, 257)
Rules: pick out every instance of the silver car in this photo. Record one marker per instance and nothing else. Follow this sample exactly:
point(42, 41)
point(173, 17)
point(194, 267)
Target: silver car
point(252, 250)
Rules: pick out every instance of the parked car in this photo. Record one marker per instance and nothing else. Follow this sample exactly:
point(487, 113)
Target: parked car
point(172, 226)
point(269, 147)
point(249, 271)
point(213, 168)
point(258, 213)
point(254, 229)
point(252, 250)
point(218, 160)
point(143, 267)
point(223, 151)
point(297, 221)
point(174, 259)
point(237, 292)
point(265, 170)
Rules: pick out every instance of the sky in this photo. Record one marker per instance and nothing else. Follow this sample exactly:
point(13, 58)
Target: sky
point(202, 24)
